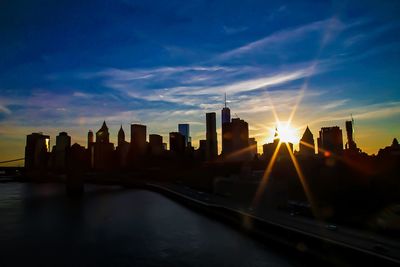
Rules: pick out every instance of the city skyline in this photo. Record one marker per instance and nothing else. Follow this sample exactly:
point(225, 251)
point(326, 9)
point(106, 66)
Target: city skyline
point(58, 77)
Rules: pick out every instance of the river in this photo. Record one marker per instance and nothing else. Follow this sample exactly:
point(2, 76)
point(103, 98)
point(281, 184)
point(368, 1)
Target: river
point(113, 226)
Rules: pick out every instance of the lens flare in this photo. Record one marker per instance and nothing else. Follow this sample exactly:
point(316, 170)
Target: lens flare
point(287, 133)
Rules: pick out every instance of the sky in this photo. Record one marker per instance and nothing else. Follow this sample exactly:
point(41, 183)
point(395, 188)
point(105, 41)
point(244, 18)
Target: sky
point(69, 65)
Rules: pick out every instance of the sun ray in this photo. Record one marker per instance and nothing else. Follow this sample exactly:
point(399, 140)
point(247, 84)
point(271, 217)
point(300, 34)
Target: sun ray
point(240, 152)
point(304, 183)
point(264, 181)
point(273, 110)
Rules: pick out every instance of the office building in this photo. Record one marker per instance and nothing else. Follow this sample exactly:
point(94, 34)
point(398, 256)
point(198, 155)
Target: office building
point(236, 140)
point(37, 151)
point(156, 144)
point(90, 138)
point(138, 139)
point(177, 143)
point(330, 140)
point(122, 148)
point(211, 136)
point(225, 120)
point(253, 147)
point(103, 149)
point(185, 131)
point(63, 143)
point(351, 144)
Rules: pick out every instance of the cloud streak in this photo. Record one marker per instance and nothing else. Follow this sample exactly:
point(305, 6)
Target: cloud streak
point(333, 24)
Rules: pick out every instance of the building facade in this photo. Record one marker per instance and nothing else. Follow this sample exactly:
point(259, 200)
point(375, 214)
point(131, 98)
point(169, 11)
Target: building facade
point(330, 140)
point(211, 136)
point(184, 130)
point(37, 151)
point(138, 139)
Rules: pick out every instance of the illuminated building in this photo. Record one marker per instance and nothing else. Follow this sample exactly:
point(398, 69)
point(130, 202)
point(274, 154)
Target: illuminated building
point(37, 151)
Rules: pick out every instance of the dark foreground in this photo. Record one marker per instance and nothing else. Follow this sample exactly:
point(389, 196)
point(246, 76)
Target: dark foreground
point(112, 226)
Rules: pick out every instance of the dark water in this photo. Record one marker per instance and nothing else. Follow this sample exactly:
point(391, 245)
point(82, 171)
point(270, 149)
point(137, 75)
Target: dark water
point(111, 226)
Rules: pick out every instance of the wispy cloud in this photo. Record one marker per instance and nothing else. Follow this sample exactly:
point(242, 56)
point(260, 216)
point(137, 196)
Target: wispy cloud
point(333, 24)
point(4, 109)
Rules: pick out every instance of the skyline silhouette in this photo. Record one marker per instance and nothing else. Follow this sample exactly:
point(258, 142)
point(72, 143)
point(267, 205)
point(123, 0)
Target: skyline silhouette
point(153, 64)
point(344, 141)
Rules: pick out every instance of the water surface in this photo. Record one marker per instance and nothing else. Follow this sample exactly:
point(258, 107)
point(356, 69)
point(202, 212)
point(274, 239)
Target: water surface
point(112, 226)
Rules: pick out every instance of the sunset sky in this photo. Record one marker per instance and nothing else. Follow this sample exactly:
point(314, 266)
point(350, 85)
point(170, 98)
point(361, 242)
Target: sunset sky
point(69, 65)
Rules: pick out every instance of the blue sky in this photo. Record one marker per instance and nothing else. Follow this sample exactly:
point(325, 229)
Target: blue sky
point(69, 66)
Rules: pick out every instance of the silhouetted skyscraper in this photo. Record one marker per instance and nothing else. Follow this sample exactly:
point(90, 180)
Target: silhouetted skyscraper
point(184, 129)
point(122, 148)
point(330, 140)
point(200, 153)
point(211, 136)
point(36, 151)
point(102, 135)
point(156, 144)
point(253, 147)
point(138, 139)
point(177, 143)
point(307, 145)
point(103, 149)
point(225, 113)
point(225, 120)
point(90, 138)
point(63, 143)
point(240, 134)
point(351, 144)
point(236, 140)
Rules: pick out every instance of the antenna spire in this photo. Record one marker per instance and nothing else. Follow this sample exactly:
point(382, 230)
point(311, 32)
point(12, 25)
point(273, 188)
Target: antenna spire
point(225, 99)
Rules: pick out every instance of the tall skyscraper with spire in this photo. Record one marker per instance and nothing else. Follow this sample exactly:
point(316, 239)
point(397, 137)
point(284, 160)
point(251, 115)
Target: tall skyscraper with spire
point(225, 119)
point(226, 113)
point(351, 144)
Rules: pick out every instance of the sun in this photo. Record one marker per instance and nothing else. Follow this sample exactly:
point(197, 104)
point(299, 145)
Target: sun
point(287, 133)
